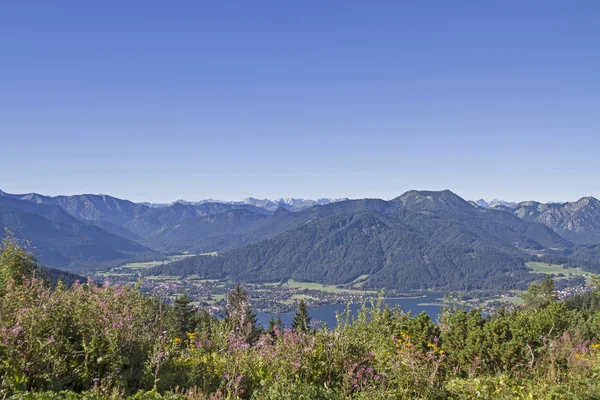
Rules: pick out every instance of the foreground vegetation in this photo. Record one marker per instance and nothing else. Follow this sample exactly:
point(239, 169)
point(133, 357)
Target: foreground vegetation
point(99, 341)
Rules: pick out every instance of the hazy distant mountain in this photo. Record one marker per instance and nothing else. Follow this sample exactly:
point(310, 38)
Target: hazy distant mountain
point(130, 220)
point(292, 204)
point(237, 228)
point(494, 203)
point(206, 234)
point(63, 241)
point(420, 239)
point(577, 221)
point(434, 201)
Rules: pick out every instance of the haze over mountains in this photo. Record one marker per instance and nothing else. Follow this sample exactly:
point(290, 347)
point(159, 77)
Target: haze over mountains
point(290, 203)
point(421, 239)
point(494, 203)
point(63, 241)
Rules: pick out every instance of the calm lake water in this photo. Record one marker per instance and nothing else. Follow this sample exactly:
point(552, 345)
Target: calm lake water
point(326, 312)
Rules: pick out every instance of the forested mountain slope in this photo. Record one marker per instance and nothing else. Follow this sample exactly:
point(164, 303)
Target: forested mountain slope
point(63, 241)
point(421, 239)
point(128, 219)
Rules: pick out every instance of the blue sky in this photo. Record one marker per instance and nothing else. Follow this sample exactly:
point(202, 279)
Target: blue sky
point(156, 101)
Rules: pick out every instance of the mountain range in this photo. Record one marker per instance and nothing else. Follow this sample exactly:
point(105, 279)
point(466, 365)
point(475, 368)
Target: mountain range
point(421, 239)
point(63, 241)
point(291, 204)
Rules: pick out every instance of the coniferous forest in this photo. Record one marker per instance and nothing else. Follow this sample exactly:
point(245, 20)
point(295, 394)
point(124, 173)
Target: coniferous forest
point(97, 340)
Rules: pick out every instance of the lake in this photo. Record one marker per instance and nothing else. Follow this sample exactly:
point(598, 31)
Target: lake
point(326, 312)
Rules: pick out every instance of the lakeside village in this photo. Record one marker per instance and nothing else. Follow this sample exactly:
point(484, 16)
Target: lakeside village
point(269, 297)
point(283, 297)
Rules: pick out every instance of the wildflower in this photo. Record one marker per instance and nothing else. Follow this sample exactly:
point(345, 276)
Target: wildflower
point(177, 340)
point(596, 346)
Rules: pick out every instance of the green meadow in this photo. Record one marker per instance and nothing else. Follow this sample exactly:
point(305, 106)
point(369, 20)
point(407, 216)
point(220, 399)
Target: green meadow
point(555, 269)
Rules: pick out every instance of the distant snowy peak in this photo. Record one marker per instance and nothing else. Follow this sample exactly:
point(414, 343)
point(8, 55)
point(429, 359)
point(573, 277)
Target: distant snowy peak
point(495, 203)
point(290, 203)
point(482, 203)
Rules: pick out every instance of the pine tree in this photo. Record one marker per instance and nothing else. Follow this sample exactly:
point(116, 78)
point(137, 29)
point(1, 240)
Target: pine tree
point(205, 322)
point(184, 314)
point(239, 315)
point(302, 319)
point(271, 328)
point(275, 325)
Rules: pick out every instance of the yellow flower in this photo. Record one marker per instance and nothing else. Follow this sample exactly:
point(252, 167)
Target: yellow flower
point(191, 335)
point(177, 340)
point(596, 346)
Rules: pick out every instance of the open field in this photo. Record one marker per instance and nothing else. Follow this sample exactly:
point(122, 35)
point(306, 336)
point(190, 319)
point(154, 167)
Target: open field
point(150, 264)
point(132, 269)
point(143, 265)
point(109, 274)
point(515, 298)
point(213, 299)
point(323, 288)
point(360, 281)
point(164, 278)
point(555, 269)
point(544, 268)
point(198, 279)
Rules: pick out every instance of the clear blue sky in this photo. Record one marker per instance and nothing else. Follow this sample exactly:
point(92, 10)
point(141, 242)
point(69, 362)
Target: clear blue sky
point(155, 101)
